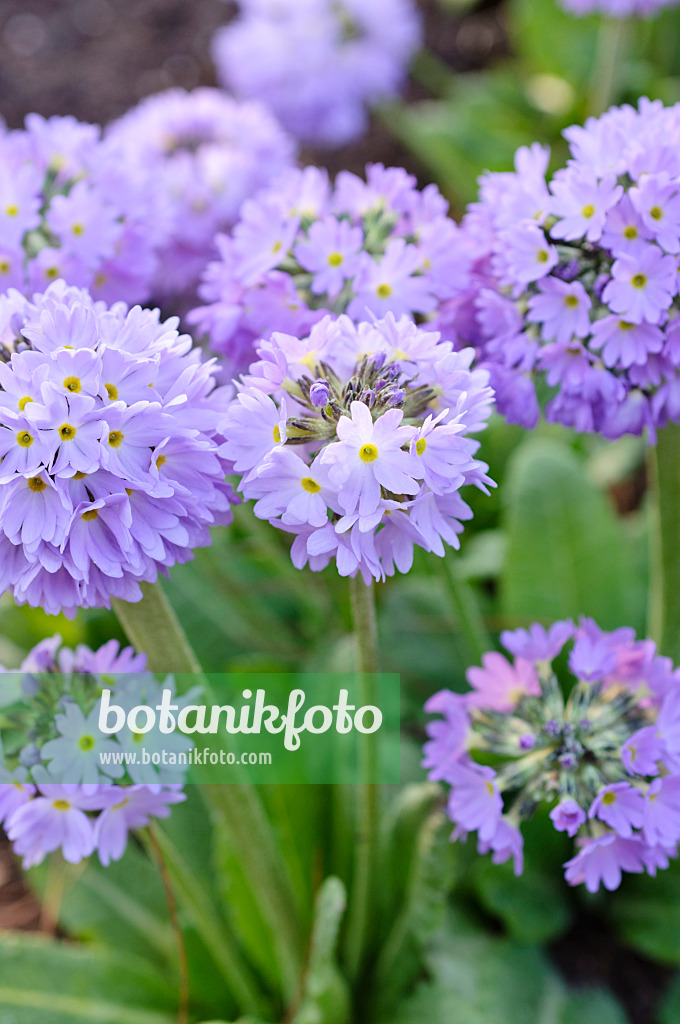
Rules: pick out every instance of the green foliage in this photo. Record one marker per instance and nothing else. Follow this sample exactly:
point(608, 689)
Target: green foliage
point(646, 914)
point(58, 983)
point(567, 553)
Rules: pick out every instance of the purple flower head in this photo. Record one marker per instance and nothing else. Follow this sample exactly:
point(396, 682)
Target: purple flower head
point(70, 208)
point(58, 791)
point(305, 248)
point(576, 279)
point(102, 488)
point(316, 63)
point(601, 750)
point(206, 153)
point(335, 438)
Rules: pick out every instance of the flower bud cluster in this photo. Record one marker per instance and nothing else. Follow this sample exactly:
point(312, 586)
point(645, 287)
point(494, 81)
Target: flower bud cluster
point(355, 438)
point(55, 790)
point(602, 752)
point(305, 248)
point(577, 279)
point(109, 461)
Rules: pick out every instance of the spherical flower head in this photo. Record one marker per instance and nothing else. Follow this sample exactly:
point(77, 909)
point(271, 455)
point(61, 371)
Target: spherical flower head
point(64, 790)
point(207, 152)
point(355, 438)
point(600, 748)
point(575, 279)
point(305, 248)
point(316, 63)
point(109, 450)
point(71, 208)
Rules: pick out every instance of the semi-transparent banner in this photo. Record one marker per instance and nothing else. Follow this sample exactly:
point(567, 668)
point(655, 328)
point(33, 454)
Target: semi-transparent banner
point(134, 728)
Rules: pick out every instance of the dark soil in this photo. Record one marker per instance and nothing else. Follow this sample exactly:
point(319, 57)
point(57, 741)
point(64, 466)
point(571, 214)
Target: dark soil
point(95, 58)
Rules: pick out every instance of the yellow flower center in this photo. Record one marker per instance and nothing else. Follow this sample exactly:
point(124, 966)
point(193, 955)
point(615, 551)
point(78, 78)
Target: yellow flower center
point(67, 432)
point(609, 798)
point(421, 445)
point(625, 326)
point(91, 513)
point(335, 259)
point(588, 211)
point(5, 266)
point(161, 460)
point(630, 232)
point(79, 475)
point(23, 402)
point(310, 485)
point(52, 272)
point(571, 301)
point(25, 439)
point(86, 742)
point(368, 453)
point(111, 391)
point(72, 384)
point(489, 788)
point(116, 438)
point(61, 805)
point(542, 256)
point(36, 483)
point(276, 433)
point(656, 212)
point(638, 280)
point(12, 210)
point(78, 229)
point(383, 291)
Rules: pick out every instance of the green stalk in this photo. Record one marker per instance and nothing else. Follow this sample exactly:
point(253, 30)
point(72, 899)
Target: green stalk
point(473, 634)
point(215, 933)
point(664, 600)
point(152, 626)
point(611, 45)
point(366, 841)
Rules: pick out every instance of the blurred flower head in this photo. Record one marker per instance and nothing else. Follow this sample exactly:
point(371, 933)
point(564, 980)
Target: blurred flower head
point(604, 754)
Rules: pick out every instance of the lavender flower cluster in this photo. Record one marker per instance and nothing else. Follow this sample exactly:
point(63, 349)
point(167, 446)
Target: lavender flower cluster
point(305, 248)
point(71, 208)
point(318, 63)
point(607, 758)
point(577, 280)
point(109, 452)
point(55, 794)
point(354, 438)
point(205, 153)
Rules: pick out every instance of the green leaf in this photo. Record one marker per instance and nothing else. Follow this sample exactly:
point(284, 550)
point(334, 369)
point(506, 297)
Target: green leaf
point(533, 908)
point(567, 554)
point(326, 997)
point(548, 39)
point(646, 913)
point(481, 980)
point(54, 983)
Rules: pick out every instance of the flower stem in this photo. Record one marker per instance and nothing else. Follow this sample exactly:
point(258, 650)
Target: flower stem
point(474, 638)
point(182, 962)
point(358, 925)
point(152, 627)
point(664, 602)
point(607, 66)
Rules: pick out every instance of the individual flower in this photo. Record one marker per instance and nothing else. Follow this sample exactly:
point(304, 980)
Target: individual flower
point(318, 64)
point(600, 748)
point(575, 279)
point(355, 438)
point(71, 208)
point(206, 153)
point(109, 451)
point(69, 787)
point(305, 248)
